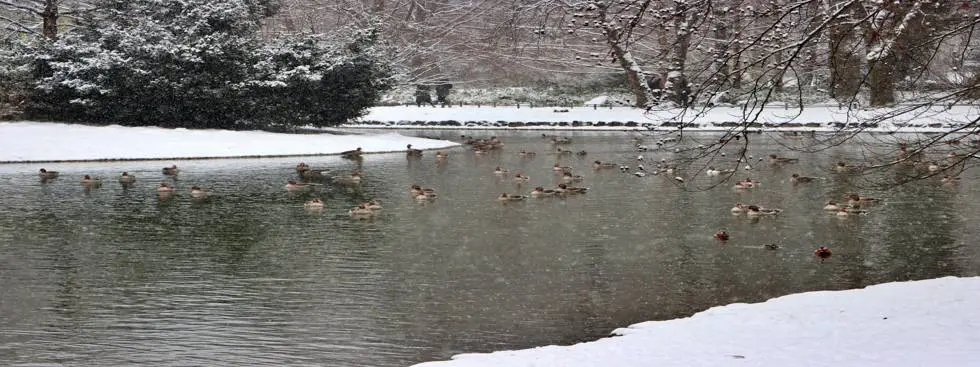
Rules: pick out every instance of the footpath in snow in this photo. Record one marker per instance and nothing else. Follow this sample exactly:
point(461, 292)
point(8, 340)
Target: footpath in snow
point(921, 323)
point(816, 118)
point(52, 142)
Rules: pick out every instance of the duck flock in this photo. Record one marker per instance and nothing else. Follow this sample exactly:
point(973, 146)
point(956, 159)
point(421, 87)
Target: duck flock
point(309, 178)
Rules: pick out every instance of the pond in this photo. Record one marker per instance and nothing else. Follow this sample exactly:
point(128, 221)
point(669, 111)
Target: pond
point(116, 277)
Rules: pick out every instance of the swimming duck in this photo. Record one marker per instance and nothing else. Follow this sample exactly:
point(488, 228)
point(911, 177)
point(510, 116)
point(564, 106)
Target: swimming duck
point(747, 183)
point(301, 167)
point(756, 211)
point(569, 177)
point(127, 178)
point(46, 175)
point(855, 199)
point(711, 171)
point(950, 180)
point(413, 152)
point(171, 171)
point(565, 189)
point(352, 154)
point(315, 204)
point(831, 206)
point(311, 174)
point(296, 186)
point(561, 151)
point(504, 197)
point(417, 190)
point(771, 246)
point(89, 181)
point(165, 189)
point(500, 172)
point(601, 165)
point(822, 252)
point(361, 211)
point(373, 204)
point(353, 179)
point(844, 212)
point(722, 236)
point(561, 140)
point(775, 159)
point(842, 167)
point(558, 168)
point(739, 208)
point(797, 179)
point(521, 178)
point(198, 193)
point(441, 155)
point(540, 192)
point(526, 154)
point(581, 153)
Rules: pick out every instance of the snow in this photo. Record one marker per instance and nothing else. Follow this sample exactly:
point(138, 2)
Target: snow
point(597, 101)
point(824, 117)
point(920, 323)
point(39, 142)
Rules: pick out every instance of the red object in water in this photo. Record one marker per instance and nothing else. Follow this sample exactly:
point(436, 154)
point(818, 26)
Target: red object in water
point(722, 236)
point(822, 252)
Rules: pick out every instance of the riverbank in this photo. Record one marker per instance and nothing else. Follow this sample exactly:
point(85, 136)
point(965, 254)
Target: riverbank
point(820, 118)
point(32, 142)
point(919, 323)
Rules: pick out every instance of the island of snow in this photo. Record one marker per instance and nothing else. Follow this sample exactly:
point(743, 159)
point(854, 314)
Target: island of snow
point(921, 323)
point(53, 142)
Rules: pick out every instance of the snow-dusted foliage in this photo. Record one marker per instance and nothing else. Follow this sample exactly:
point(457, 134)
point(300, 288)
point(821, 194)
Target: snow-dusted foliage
point(198, 63)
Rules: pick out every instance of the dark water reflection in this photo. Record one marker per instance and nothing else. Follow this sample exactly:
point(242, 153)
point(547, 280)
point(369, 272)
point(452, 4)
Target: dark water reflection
point(115, 277)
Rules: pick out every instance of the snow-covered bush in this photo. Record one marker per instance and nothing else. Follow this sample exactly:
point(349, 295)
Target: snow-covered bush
point(199, 63)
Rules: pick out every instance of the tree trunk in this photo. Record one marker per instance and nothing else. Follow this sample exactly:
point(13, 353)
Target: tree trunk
point(808, 66)
point(845, 62)
point(881, 80)
point(677, 89)
point(888, 32)
point(49, 25)
point(635, 77)
point(721, 23)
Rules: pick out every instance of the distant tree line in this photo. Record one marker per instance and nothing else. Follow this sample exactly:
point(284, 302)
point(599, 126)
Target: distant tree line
point(192, 63)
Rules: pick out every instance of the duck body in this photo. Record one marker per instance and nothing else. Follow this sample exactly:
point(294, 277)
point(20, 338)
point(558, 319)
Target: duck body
point(831, 206)
point(441, 155)
point(302, 167)
point(797, 179)
point(296, 186)
point(373, 205)
point(89, 181)
point(165, 189)
point(521, 178)
point(722, 236)
point(603, 165)
point(775, 159)
point(171, 171)
point(540, 192)
point(411, 152)
point(361, 212)
point(125, 178)
point(504, 197)
point(756, 211)
point(47, 175)
point(198, 193)
point(739, 208)
point(352, 154)
point(315, 204)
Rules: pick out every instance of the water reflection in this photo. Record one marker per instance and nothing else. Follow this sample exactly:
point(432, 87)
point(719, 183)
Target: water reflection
point(116, 276)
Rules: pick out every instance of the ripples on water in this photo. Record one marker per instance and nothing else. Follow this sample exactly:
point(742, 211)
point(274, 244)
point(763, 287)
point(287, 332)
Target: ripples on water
point(115, 277)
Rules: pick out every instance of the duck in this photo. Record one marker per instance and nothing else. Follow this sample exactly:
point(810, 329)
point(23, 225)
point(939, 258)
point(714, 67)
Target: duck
point(165, 189)
point(425, 196)
point(47, 175)
point(601, 165)
point(302, 167)
point(440, 155)
point(561, 151)
point(756, 211)
point(746, 184)
point(89, 181)
point(417, 191)
point(711, 171)
point(581, 153)
point(171, 171)
point(412, 152)
point(352, 154)
point(126, 178)
point(526, 154)
point(950, 180)
point(797, 179)
point(739, 208)
point(361, 211)
point(771, 246)
point(775, 159)
point(844, 212)
point(540, 192)
point(198, 193)
point(565, 189)
point(822, 252)
point(842, 167)
point(521, 178)
point(569, 177)
point(504, 197)
point(500, 172)
point(722, 236)
point(311, 174)
point(934, 167)
point(561, 140)
point(831, 206)
point(855, 199)
point(315, 204)
point(296, 186)
point(353, 179)
point(558, 168)
point(373, 204)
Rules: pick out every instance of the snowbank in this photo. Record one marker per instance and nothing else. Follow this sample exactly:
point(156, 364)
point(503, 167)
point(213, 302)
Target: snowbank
point(923, 323)
point(775, 117)
point(52, 142)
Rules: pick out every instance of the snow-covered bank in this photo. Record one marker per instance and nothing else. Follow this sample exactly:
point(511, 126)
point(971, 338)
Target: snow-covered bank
point(52, 142)
point(922, 323)
point(817, 118)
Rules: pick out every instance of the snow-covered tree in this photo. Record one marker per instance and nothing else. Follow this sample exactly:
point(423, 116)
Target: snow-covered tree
point(198, 63)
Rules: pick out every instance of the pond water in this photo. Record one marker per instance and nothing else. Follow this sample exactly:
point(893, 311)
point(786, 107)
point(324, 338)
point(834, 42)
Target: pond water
point(119, 277)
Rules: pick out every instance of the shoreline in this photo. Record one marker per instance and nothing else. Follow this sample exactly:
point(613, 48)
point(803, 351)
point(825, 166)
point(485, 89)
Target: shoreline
point(273, 156)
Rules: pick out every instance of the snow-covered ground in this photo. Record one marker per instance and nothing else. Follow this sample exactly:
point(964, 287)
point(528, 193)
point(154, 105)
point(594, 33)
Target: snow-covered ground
point(44, 142)
point(818, 118)
point(922, 323)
